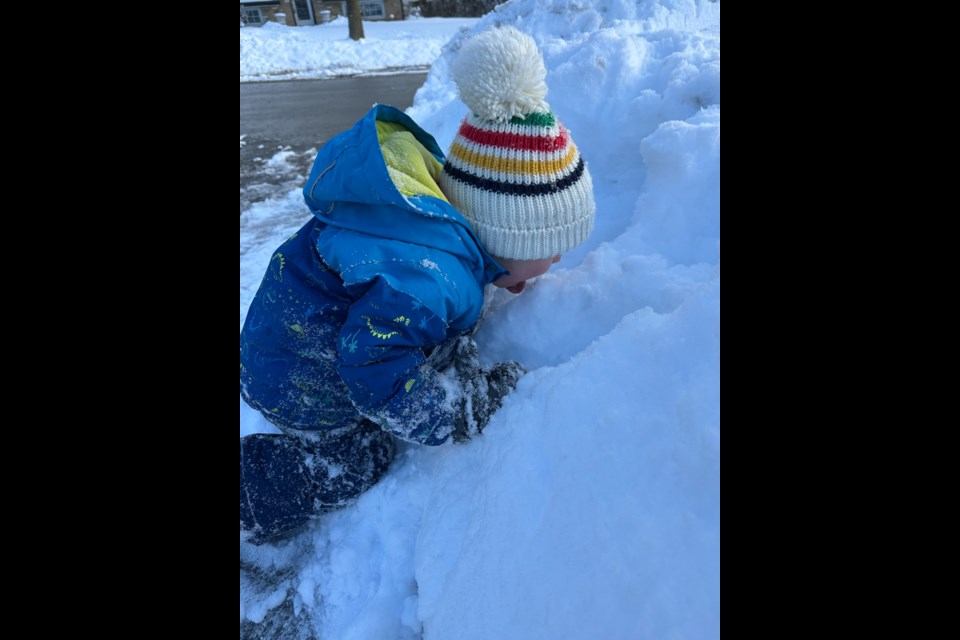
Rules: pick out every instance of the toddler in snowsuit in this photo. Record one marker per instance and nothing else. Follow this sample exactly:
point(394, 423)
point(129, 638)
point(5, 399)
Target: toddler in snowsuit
point(359, 333)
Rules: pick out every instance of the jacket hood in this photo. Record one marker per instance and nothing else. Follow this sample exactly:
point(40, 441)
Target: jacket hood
point(350, 188)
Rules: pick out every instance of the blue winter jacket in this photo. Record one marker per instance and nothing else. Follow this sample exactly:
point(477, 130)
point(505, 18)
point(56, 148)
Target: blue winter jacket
point(353, 302)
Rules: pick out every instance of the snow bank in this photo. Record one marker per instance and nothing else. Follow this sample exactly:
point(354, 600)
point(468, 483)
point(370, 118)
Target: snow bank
point(590, 508)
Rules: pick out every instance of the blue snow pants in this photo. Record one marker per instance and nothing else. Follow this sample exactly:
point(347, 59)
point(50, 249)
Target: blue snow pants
point(288, 479)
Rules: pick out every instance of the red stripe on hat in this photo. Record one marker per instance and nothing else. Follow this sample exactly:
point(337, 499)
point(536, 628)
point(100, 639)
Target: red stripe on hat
point(513, 140)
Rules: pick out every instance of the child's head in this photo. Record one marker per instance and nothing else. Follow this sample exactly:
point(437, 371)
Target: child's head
point(513, 171)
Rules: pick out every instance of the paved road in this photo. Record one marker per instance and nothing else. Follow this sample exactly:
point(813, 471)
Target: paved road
point(295, 118)
point(310, 112)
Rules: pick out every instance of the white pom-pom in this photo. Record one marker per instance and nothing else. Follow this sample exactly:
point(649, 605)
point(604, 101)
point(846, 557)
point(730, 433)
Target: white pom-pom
point(500, 74)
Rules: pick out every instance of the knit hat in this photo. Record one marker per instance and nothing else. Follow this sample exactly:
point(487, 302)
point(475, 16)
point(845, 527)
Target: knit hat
point(513, 171)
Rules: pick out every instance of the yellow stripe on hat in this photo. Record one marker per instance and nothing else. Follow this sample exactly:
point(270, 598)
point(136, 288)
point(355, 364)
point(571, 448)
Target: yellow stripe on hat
point(513, 165)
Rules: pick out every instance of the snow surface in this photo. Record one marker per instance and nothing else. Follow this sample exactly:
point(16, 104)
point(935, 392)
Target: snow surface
point(279, 52)
point(590, 507)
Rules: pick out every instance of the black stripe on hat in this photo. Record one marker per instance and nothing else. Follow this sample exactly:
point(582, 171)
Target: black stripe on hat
point(512, 189)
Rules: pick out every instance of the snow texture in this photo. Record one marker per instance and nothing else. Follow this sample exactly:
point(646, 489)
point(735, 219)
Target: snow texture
point(590, 506)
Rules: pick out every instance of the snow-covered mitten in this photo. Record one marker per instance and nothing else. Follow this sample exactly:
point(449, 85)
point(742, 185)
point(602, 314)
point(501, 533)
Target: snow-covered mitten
point(484, 388)
point(441, 356)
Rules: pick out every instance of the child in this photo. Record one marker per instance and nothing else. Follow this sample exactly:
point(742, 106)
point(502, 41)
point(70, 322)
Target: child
point(359, 333)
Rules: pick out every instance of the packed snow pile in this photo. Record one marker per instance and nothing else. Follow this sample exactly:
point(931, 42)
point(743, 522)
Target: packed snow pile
point(279, 52)
point(590, 507)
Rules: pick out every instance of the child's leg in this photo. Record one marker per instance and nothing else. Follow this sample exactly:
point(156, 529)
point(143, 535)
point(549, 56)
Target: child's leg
point(349, 462)
point(287, 480)
point(275, 495)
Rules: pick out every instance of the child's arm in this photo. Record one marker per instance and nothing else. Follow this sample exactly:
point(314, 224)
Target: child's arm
point(381, 360)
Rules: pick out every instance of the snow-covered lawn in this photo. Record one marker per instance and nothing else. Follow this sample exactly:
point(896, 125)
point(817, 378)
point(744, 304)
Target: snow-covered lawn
point(590, 507)
point(275, 52)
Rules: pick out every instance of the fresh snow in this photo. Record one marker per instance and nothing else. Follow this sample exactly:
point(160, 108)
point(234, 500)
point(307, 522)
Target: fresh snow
point(590, 507)
point(279, 52)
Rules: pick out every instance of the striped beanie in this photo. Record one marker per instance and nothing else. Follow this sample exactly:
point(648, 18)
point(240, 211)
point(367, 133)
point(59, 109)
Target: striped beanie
point(513, 171)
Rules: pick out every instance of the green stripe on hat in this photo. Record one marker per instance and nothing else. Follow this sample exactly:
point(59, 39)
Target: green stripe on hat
point(535, 120)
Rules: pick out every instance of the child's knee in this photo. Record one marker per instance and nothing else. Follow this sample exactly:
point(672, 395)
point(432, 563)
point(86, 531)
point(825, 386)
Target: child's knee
point(287, 480)
point(275, 495)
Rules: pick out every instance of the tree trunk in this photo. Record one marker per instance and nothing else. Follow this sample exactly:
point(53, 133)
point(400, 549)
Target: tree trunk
point(355, 19)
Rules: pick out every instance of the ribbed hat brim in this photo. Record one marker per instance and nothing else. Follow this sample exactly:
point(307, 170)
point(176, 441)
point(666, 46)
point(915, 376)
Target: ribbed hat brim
point(526, 227)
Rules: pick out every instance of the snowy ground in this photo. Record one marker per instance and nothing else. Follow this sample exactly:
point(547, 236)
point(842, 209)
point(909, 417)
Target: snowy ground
point(277, 52)
point(590, 508)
